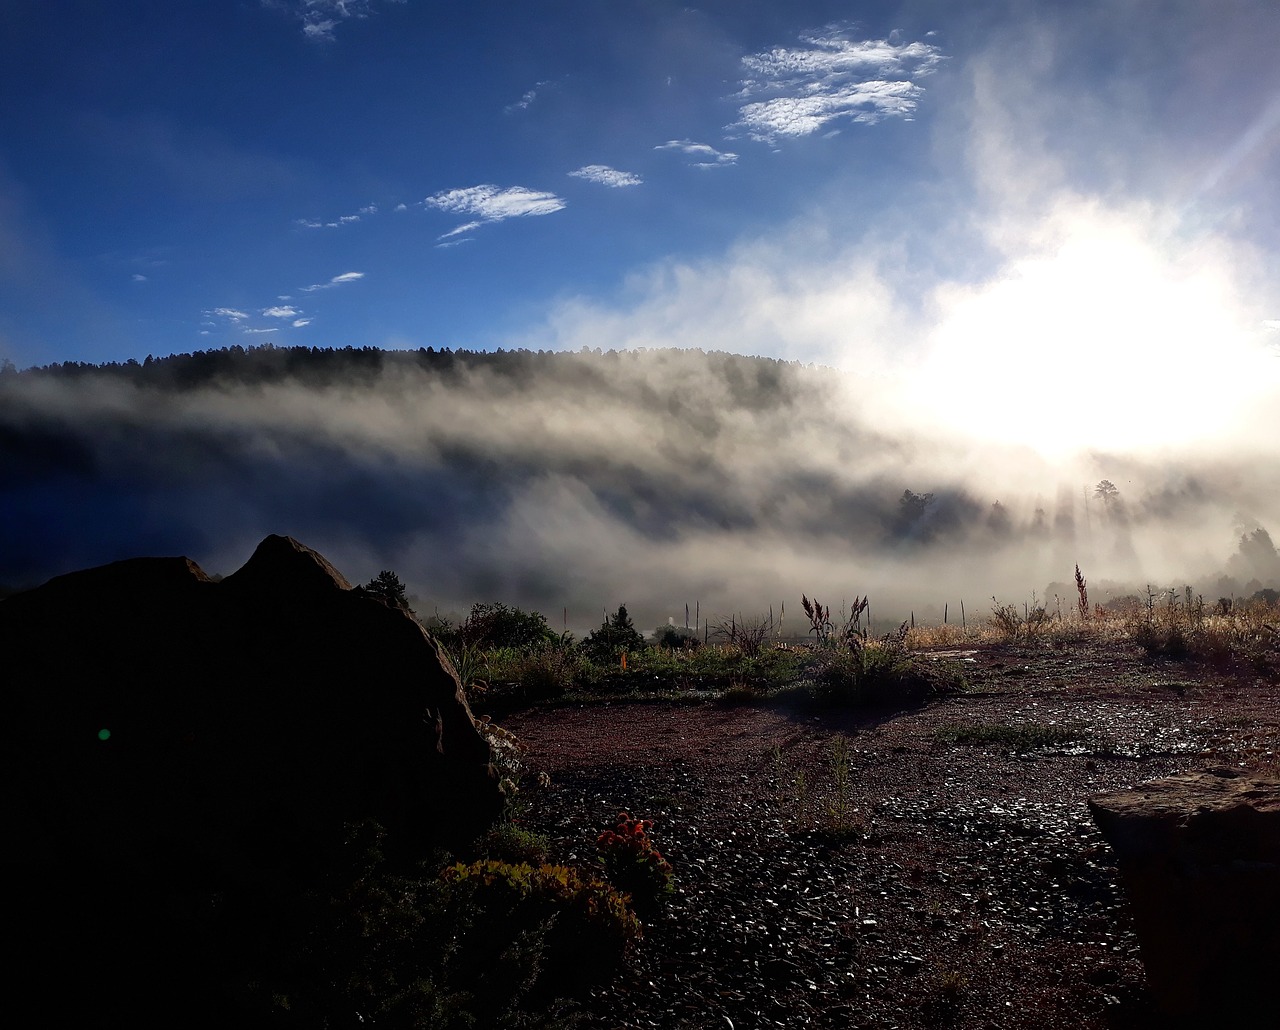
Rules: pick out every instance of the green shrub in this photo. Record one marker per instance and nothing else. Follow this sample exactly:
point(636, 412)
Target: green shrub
point(507, 842)
point(490, 626)
point(583, 925)
point(616, 635)
point(879, 674)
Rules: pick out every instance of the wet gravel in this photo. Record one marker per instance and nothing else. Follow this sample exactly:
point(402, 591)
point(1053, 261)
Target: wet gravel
point(936, 884)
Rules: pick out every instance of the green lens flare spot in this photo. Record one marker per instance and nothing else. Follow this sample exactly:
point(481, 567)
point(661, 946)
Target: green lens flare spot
point(104, 734)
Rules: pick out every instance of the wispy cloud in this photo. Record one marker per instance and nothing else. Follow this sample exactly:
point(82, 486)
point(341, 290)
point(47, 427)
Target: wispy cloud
point(282, 311)
point(606, 176)
point(525, 101)
point(319, 18)
point(232, 313)
point(298, 323)
point(138, 277)
point(337, 280)
point(804, 89)
point(706, 156)
point(464, 227)
point(341, 220)
point(491, 204)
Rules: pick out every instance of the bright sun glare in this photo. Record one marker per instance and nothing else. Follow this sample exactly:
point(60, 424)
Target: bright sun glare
point(1106, 340)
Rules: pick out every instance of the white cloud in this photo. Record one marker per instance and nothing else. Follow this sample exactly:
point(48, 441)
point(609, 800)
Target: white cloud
point(232, 313)
point(708, 156)
point(867, 102)
point(319, 18)
point(464, 227)
point(606, 176)
point(803, 90)
point(138, 277)
point(246, 329)
point(284, 311)
point(298, 323)
point(402, 207)
point(345, 277)
point(341, 220)
point(525, 101)
point(491, 204)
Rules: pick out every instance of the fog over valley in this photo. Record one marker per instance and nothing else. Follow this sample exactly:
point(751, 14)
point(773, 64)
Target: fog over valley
point(579, 481)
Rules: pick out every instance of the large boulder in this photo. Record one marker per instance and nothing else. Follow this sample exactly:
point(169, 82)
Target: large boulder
point(160, 719)
point(1199, 854)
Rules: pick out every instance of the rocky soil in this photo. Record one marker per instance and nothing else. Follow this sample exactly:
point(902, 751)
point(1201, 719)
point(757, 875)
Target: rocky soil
point(938, 882)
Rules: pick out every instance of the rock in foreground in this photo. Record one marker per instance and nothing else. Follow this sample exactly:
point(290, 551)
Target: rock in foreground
point(161, 715)
point(1200, 857)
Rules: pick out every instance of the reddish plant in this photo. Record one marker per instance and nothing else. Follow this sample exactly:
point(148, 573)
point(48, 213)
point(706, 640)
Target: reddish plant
point(633, 864)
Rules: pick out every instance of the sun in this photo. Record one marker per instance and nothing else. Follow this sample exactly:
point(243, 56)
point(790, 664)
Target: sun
point(1102, 339)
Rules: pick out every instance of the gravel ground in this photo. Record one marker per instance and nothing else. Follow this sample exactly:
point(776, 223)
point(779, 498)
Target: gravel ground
point(935, 883)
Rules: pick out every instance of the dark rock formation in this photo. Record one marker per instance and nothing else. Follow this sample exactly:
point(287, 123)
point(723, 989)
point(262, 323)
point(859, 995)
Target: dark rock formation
point(1199, 854)
point(171, 738)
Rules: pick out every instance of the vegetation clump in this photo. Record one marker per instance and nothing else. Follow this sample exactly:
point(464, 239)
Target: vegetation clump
point(879, 673)
point(572, 928)
point(633, 864)
point(616, 637)
point(1017, 738)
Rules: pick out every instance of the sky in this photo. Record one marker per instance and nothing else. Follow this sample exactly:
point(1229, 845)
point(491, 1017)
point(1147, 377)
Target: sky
point(395, 173)
point(1050, 227)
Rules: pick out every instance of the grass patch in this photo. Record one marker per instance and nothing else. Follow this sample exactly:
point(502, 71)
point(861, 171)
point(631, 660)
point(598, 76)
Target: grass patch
point(1016, 738)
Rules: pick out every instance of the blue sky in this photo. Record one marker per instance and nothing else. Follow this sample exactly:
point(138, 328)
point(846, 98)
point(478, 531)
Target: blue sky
point(839, 182)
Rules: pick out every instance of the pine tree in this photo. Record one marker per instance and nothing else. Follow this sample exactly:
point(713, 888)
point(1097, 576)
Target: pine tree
point(386, 586)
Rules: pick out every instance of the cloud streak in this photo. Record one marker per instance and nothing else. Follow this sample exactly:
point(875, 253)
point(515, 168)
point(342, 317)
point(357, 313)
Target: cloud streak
point(491, 203)
point(705, 155)
point(337, 280)
point(603, 175)
point(339, 222)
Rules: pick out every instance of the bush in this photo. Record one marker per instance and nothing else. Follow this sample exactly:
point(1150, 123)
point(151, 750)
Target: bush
point(676, 637)
point(510, 843)
point(879, 674)
point(633, 864)
point(544, 672)
point(491, 626)
point(582, 925)
point(616, 635)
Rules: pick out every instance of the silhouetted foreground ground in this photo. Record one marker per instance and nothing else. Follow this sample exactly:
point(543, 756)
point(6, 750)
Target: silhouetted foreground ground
point(954, 880)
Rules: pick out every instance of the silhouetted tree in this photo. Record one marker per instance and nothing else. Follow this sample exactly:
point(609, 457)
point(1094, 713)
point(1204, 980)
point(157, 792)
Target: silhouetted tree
point(386, 586)
point(496, 625)
point(616, 634)
point(1107, 492)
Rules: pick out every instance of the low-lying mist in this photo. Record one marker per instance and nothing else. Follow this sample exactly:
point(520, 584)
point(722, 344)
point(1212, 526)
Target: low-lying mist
point(575, 482)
